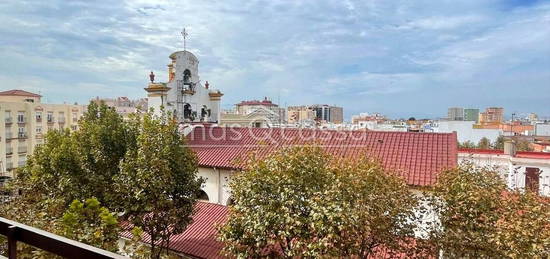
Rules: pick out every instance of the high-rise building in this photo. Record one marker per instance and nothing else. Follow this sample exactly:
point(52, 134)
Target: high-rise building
point(455, 114)
point(492, 115)
point(184, 95)
point(317, 112)
point(25, 121)
point(471, 114)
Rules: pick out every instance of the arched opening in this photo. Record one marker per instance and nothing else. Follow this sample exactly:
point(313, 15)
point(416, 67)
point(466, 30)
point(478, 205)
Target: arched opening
point(202, 196)
point(187, 111)
point(186, 76)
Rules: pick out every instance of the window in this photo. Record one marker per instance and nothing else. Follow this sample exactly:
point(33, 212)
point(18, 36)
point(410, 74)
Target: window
point(75, 117)
point(38, 116)
point(20, 117)
point(532, 175)
point(21, 132)
point(50, 117)
point(38, 129)
point(61, 117)
point(73, 127)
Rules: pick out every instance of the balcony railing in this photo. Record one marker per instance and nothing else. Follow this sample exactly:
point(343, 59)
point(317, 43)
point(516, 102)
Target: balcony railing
point(16, 232)
point(21, 163)
point(8, 120)
point(9, 135)
point(61, 119)
point(9, 150)
point(21, 135)
point(38, 118)
point(21, 149)
point(50, 120)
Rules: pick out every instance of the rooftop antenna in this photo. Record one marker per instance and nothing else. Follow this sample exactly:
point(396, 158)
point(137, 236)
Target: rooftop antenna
point(184, 34)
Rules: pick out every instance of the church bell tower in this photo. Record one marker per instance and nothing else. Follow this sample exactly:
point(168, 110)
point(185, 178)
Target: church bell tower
point(184, 95)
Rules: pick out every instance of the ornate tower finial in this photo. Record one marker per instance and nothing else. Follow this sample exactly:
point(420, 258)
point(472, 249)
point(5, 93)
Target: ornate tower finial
point(206, 85)
point(152, 77)
point(184, 34)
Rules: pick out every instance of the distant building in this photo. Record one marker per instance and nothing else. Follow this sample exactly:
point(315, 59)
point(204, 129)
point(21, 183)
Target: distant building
point(542, 129)
point(123, 105)
point(471, 114)
point(533, 117)
point(455, 114)
point(366, 117)
point(466, 131)
point(25, 121)
point(492, 115)
point(318, 112)
point(258, 114)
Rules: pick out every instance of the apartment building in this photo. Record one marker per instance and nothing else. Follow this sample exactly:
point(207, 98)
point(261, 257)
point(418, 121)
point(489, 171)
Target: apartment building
point(317, 112)
point(492, 115)
point(24, 120)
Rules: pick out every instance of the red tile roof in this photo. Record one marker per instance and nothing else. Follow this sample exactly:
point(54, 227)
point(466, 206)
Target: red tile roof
point(520, 154)
point(19, 93)
point(417, 157)
point(199, 239)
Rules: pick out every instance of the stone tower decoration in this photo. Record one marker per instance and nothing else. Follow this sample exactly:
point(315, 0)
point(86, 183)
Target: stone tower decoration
point(184, 95)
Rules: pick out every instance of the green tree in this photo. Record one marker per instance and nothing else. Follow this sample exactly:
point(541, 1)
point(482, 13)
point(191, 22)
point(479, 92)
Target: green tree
point(499, 143)
point(523, 145)
point(158, 183)
point(81, 164)
point(479, 217)
point(303, 202)
point(467, 144)
point(484, 143)
point(90, 223)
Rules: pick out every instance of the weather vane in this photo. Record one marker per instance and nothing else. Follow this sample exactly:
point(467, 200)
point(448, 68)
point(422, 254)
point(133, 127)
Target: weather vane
point(184, 34)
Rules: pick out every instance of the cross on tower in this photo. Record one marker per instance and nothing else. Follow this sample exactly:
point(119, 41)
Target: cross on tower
point(184, 34)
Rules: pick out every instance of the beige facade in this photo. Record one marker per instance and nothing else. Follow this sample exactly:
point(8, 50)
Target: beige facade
point(24, 120)
point(318, 112)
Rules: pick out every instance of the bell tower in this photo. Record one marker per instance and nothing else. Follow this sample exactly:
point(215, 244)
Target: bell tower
point(184, 95)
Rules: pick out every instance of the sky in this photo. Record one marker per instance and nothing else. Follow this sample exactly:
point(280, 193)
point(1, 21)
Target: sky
point(401, 58)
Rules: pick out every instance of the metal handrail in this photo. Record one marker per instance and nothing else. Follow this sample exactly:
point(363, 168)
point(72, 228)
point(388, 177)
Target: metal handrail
point(17, 232)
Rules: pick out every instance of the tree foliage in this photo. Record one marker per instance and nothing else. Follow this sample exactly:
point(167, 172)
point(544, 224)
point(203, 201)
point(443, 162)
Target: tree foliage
point(484, 143)
point(303, 202)
point(480, 218)
point(127, 167)
point(157, 184)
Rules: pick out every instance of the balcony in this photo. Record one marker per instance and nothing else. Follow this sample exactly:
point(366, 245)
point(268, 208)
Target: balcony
point(61, 120)
point(38, 118)
point(22, 149)
point(9, 166)
point(9, 135)
point(22, 135)
point(50, 120)
point(21, 163)
point(17, 232)
point(8, 120)
point(9, 150)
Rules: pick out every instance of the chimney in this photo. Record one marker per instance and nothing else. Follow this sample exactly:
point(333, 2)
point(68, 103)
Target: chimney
point(510, 147)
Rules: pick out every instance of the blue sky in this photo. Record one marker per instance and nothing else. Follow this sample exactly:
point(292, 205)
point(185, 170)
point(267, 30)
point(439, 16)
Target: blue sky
point(402, 58)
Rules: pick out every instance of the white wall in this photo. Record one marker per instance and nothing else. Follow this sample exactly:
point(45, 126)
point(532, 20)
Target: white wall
point(513, 169)
point(542, 129)
point(466, 132)
point(216, 184)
